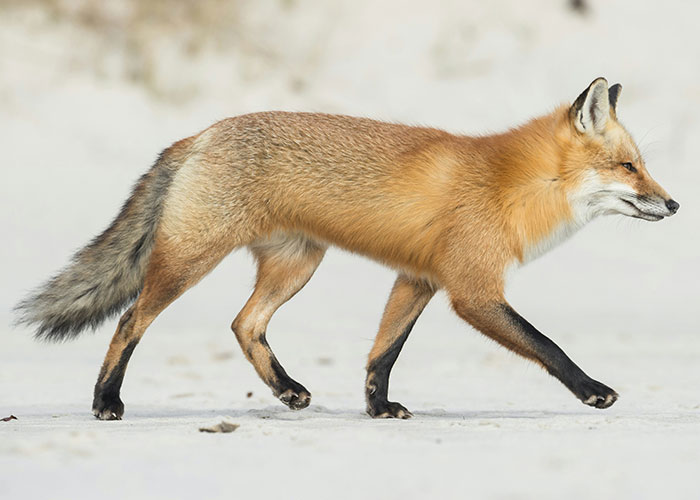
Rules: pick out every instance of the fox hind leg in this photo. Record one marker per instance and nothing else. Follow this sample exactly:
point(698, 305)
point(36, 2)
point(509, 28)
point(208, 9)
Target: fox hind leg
point(407, 300)
point(169, 275)
point(285, 265)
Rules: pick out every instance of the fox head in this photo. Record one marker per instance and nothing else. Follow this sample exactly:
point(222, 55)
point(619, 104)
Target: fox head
point(607, 163)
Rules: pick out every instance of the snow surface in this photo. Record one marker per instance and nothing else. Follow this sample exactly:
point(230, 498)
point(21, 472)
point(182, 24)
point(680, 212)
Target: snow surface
point(620, 297)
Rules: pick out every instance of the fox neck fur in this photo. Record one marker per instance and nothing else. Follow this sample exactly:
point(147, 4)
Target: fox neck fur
point(542, 196)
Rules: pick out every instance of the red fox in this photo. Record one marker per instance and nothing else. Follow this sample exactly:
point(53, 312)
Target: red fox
point(447, 212)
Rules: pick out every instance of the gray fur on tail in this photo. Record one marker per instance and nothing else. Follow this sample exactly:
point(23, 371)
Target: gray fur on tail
point(108, 273)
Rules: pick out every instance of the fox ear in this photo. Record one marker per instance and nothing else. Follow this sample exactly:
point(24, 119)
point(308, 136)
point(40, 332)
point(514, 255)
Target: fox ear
point(591, 110)
point(613, 95)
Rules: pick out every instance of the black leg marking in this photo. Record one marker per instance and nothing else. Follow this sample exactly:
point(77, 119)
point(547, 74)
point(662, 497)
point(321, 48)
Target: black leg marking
point(288, 390)
point(106, 404)
point(558, 364)
point(377, 384)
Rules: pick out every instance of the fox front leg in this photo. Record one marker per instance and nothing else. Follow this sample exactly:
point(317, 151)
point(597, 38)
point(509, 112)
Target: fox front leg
point(407, 300)
point(498, 320)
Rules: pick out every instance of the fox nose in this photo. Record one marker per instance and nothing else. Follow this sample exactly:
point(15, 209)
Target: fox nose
point(672, 205)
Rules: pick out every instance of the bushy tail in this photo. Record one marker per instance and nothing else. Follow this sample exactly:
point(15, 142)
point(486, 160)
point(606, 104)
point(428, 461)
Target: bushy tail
point(108, 273)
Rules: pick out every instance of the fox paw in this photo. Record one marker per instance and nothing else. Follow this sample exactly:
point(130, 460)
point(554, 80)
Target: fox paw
point(596, 394)
point(110, 408)
point(296, 399)
point(388, 409)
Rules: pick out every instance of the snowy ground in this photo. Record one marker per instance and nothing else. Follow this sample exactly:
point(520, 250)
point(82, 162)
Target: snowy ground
point(620, 297)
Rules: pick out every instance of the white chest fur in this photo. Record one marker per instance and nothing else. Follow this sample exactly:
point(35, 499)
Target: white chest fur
point(585, 204)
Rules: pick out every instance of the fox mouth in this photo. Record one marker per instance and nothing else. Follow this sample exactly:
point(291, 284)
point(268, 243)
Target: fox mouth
point(641, 214)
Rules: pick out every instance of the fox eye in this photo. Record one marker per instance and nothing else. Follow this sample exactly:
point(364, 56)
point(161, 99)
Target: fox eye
point(629, 166)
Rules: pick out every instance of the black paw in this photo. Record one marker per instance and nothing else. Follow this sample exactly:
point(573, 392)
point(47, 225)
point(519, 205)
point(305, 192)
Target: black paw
point(107, 407)
point(387, 409)
point(595, 394)
point(296, 398)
